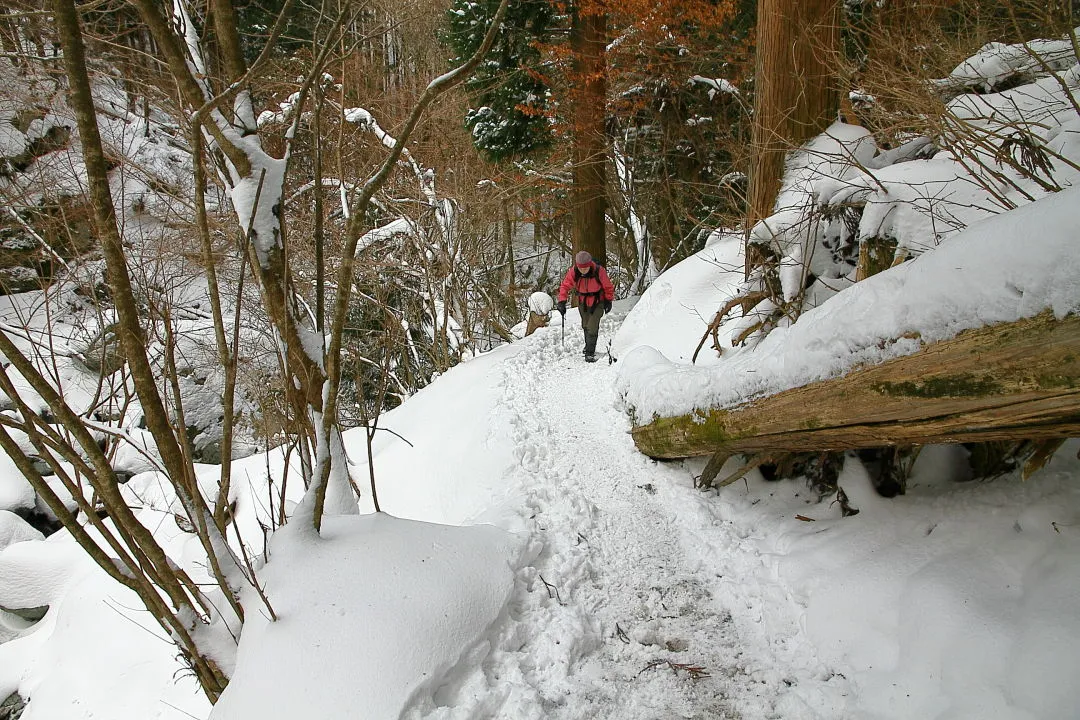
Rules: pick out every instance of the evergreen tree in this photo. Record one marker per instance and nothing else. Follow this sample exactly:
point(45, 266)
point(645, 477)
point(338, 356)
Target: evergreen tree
point(256, 17)
point(682, 87)
point(548, 77)
point(512, 98)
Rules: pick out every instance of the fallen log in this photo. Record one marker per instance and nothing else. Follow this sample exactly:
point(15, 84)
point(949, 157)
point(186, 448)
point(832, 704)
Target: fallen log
point(1018, 380)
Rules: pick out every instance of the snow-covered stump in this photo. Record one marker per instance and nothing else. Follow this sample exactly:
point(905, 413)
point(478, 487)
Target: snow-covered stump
point(1010, 381)
point(535, 323)
point(540, 306)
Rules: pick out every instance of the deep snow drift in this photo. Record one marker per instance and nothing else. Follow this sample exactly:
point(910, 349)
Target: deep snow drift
point(367, 611)
point(629, 593)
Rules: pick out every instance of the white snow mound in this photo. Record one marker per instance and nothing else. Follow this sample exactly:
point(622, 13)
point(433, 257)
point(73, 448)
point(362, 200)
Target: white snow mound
point(540, 303)
point(13, 529)
point(369, 612)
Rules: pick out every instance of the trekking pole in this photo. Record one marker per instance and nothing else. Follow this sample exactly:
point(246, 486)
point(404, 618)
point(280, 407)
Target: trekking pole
point(563, 339)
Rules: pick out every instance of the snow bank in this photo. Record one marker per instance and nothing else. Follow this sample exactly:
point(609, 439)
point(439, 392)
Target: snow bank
point(919, 204)
point(97, 652)
point(675, 311)
point(367, 613)
point(996, 62)
point(1008, 267)
point(956, 600)
point(14, 529)
point(15, 492)
point(454, 475)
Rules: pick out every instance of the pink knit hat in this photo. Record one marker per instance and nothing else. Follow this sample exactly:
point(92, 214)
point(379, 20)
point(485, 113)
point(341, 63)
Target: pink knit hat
point(582, 258)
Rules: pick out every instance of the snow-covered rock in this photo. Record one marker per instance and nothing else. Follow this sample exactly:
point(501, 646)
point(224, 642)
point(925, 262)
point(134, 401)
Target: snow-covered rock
point(996, 62)
point(13, 529)
point(15, 491)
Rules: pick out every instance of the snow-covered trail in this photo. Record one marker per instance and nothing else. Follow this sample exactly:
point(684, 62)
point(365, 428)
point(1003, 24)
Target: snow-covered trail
point(638, 578)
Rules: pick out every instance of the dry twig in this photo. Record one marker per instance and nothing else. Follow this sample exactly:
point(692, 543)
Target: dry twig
point(694, 672)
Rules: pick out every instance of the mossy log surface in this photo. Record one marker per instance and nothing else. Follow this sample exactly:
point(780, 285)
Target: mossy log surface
point(1018, 380)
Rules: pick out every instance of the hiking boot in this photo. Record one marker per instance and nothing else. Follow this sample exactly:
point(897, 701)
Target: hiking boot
point(589, 357)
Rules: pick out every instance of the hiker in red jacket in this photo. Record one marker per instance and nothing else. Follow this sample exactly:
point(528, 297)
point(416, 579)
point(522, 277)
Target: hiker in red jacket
point(594, 290)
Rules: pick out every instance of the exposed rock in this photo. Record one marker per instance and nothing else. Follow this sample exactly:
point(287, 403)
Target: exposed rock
point(31, 243)
point(18, 279)
point(67, 225)
point(27, 136)
point(209, 453)
point(104, 355)
point(12, 707)
point(54, 138)
point(30, 615)
point(96, 290)
point(44, 523)
point(42, 467)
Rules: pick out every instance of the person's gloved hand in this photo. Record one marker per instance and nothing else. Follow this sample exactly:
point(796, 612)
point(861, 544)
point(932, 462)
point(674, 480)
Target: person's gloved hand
point(607, 306)
point(562, 307)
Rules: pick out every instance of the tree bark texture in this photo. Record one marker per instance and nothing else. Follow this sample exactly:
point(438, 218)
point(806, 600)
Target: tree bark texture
point(156, 416)
point(588, 37)
point(1010, 381)
point(796, 96)
point(875, 255)
point(128, 326)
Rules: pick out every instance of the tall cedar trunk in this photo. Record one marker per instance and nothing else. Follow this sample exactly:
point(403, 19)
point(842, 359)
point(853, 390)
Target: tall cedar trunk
point(589, 194)
point(796, 97)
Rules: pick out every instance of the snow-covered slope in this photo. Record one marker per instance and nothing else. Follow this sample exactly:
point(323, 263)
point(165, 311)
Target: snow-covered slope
point(1007, 267)
point(367, 612)
point(632, 594)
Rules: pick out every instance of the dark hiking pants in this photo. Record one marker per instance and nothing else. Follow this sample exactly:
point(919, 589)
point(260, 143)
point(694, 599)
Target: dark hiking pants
point(590, 323)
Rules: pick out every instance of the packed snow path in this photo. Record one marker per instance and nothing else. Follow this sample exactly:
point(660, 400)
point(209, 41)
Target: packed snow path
point(643, 601)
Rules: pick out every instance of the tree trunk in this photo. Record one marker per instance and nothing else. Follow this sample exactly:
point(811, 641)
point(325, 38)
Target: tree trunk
point(508, 230)
point(318, 236)
point(795, 93)
point(875, 255)
point(158, 421)
point(589, 194)
point(1010, 381)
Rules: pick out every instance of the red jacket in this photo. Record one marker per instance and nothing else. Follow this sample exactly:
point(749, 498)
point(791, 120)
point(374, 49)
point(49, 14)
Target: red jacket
point(590, 287)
